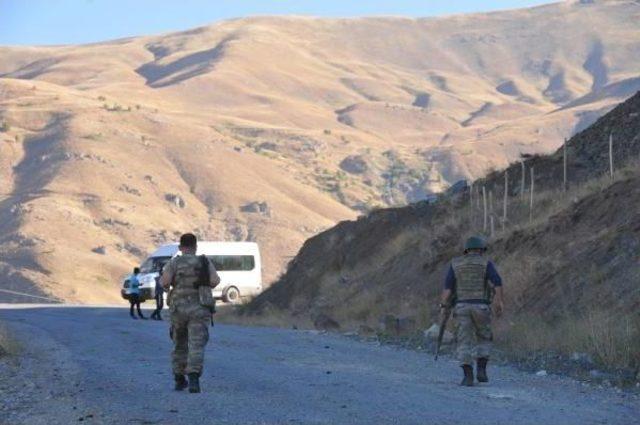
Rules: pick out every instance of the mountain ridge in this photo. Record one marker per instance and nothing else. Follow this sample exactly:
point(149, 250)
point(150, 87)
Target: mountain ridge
point(278, 111)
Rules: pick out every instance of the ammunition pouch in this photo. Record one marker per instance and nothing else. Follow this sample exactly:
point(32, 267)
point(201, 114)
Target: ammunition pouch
point(203, 285)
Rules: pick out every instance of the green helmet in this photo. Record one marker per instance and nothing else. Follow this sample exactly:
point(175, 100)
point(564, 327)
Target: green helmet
point(475, 242)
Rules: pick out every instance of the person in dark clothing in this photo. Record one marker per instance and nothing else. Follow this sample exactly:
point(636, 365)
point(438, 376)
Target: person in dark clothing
point(159, 298)
point(477, 287)
point(134, 294)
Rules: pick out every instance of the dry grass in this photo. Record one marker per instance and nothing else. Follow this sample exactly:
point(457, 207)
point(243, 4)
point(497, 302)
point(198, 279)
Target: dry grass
point(274, 318)
point(9, 346)
point(611, 342)
point(611, 338)
point(546, 204)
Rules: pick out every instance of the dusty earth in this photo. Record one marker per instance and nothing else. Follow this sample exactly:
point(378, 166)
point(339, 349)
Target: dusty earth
point(109, 149)
point(95, 365)
point(573, 269)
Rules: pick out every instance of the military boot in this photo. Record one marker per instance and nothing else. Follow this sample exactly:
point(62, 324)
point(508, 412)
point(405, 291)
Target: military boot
point(467, 381)
point(194, 383)
point(482, 370)
point(181, 382)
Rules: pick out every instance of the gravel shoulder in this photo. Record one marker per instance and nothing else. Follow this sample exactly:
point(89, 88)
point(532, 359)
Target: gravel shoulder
point(95, 365)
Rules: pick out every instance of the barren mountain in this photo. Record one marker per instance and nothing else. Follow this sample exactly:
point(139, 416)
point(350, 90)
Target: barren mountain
point(272, 129)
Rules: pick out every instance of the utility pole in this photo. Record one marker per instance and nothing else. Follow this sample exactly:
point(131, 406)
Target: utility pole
point(522, 183)
point(484, 201)
point(564, 150)
point(472, 218)
point(531, 200)
point(504, 203)
point(490, 202)
point(611, 154)
point(493, 227)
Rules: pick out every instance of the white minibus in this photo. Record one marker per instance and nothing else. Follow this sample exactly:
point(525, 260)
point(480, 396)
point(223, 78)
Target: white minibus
point(237, 263)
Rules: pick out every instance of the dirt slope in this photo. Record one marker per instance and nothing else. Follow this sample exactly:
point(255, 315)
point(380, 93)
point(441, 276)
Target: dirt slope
point(578, 256)
point(273, 129)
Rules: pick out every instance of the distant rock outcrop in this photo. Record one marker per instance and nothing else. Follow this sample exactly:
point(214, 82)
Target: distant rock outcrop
point(508, 88)
point(354, 164)
point(257, 208)
point(100, 250)
point(177, 200)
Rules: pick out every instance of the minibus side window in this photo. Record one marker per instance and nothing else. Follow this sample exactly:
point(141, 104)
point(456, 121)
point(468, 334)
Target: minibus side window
point(233, 263)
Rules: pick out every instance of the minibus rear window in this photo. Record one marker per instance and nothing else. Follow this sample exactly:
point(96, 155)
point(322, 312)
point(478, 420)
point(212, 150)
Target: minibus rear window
point(233, 263)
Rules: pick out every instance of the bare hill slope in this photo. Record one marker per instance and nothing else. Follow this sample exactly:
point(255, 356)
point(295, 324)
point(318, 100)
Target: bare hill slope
point(575, 262)
point(272, 129)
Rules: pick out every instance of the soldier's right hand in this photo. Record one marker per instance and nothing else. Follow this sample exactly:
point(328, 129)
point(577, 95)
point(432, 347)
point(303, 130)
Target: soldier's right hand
point(498, 308)
point(443, 313)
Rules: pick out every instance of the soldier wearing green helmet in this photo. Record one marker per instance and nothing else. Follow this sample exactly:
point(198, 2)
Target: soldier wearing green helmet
point(469, 288)
point(475, 242)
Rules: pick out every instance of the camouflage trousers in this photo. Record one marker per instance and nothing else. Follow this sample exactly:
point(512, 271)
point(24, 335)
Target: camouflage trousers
point(473, 332)
point(190, 334)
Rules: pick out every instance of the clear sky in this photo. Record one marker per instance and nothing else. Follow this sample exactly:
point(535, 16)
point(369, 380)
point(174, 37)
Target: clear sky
point(83, 21)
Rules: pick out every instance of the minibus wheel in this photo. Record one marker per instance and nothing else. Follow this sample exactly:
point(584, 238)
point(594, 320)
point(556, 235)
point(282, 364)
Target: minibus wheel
point(231, 295)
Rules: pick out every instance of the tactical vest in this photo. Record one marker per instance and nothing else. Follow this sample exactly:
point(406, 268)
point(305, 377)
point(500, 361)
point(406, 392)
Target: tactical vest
point(471, 277)
point(187, 271)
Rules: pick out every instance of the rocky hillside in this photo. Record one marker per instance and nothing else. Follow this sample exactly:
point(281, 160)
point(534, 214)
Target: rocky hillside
point(577, 257)
point(109, 149)
point(587, 152)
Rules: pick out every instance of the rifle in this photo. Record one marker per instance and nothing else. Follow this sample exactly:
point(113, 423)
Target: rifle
point(203, 280)
point(443, 326)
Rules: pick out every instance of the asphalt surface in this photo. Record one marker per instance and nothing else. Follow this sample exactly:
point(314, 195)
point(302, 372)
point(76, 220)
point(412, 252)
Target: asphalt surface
point(95, 365)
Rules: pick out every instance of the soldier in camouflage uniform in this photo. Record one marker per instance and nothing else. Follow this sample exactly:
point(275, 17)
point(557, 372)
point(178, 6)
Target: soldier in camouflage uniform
point(470, 283)
point(189, 319)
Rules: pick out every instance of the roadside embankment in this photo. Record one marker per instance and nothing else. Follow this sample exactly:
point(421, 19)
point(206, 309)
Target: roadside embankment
point(9, 345)
point(568, 255)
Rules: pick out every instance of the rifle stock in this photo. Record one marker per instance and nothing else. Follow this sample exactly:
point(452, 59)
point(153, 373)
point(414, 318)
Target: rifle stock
point(443, 327)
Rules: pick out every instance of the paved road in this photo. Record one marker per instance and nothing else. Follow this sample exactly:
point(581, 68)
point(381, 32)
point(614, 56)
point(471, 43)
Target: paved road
point(95, 365)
